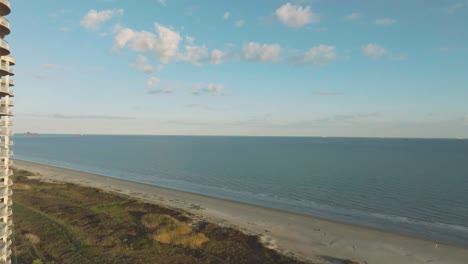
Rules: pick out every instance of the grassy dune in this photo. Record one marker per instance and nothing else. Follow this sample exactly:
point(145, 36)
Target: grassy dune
point(67, 223)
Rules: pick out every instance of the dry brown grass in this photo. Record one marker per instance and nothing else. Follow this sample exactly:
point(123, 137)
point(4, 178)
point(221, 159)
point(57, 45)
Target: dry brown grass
point(33, 238)
point(22, 186)
point(169, 230)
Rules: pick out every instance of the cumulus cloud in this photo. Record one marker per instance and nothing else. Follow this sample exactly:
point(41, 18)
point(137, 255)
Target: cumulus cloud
point(93, 20)
point(261, 52)
point(353, 16)
point(164, 46)
point(152, 82)
point(239, 23)
point(218, 56)
point(142, 64)
point(226, 15)
point(318, 55)
point(295, 15)
point(373, 50)
point(194, 54)
point(385, 21)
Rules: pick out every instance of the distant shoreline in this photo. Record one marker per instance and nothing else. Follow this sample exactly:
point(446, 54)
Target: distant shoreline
point(249, 136)
point(303, 235)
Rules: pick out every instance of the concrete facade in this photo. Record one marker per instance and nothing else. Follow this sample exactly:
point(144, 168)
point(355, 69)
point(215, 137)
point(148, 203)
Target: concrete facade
point(6, 83)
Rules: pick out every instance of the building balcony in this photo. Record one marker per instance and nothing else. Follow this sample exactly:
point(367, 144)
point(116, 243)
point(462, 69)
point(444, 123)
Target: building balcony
point(5, 132)
point(4, 82)
point(5, 69)
point(5, 90)
point(4, 123)
point(4, 26)
point(5, 173)
point(4, 47)
point(9, 59)
point(5, 111)
point(5, 153)
point(5, 7)
point(10, 202)
point(3, 212)
point(4, 144)
point(4, 104)
point(4, 164)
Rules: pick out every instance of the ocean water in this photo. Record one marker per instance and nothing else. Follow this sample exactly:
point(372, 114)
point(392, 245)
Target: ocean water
point(417, 187)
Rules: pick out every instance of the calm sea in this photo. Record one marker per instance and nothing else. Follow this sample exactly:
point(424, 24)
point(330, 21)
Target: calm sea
point(411, 186)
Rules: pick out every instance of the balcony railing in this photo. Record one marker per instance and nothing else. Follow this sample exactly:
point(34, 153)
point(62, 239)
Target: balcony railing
point(9, 59)
point(6, 123)
point(5, 173)
point(6, 67)
point(10, 192)
point(5, 132)
point(4, 45)
point(4, 144)
point(6, 89)
point(4, 22)
point(3, 213)
point(4, 152)
point(5, 163)
point(5, 9)
point(5, 111)
point(4, 103)
point(10, 202)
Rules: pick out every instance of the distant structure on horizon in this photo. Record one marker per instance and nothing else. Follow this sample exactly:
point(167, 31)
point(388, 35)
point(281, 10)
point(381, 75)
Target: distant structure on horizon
point(5, 163)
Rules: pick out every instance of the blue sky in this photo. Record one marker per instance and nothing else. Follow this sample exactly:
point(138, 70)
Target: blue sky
point(264, 67)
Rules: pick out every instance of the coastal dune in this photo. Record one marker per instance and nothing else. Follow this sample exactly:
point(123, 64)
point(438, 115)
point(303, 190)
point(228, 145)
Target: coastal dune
point(303, 236)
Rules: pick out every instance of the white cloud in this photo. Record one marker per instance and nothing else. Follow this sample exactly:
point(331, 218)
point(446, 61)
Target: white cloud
point(142, 64)
point(353, 16)
point(319, 55)
point(385, 21)
point(218, 56)
point(93, 20)
point(162, 2)
point(164, 47)
point(152, 82)
point(239, 23)
point(295, 15)
point(214, 88)
point(373, 50)
point(263, 53)
point(226, 15)
point(194, 54)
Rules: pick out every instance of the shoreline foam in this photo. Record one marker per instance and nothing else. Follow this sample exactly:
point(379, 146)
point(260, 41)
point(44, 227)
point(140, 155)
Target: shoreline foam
point(304, 236)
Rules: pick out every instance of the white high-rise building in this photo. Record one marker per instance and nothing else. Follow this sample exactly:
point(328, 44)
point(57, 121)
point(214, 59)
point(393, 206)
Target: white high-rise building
point(5, 163)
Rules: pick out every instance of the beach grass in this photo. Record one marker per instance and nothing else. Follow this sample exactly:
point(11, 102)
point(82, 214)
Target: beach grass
point(67, 223)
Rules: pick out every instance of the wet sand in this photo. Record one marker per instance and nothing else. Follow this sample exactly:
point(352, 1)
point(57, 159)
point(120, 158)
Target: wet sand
point(303, 236)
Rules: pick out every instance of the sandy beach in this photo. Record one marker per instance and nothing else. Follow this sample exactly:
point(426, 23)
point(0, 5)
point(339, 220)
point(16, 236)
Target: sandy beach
point(303, 236)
